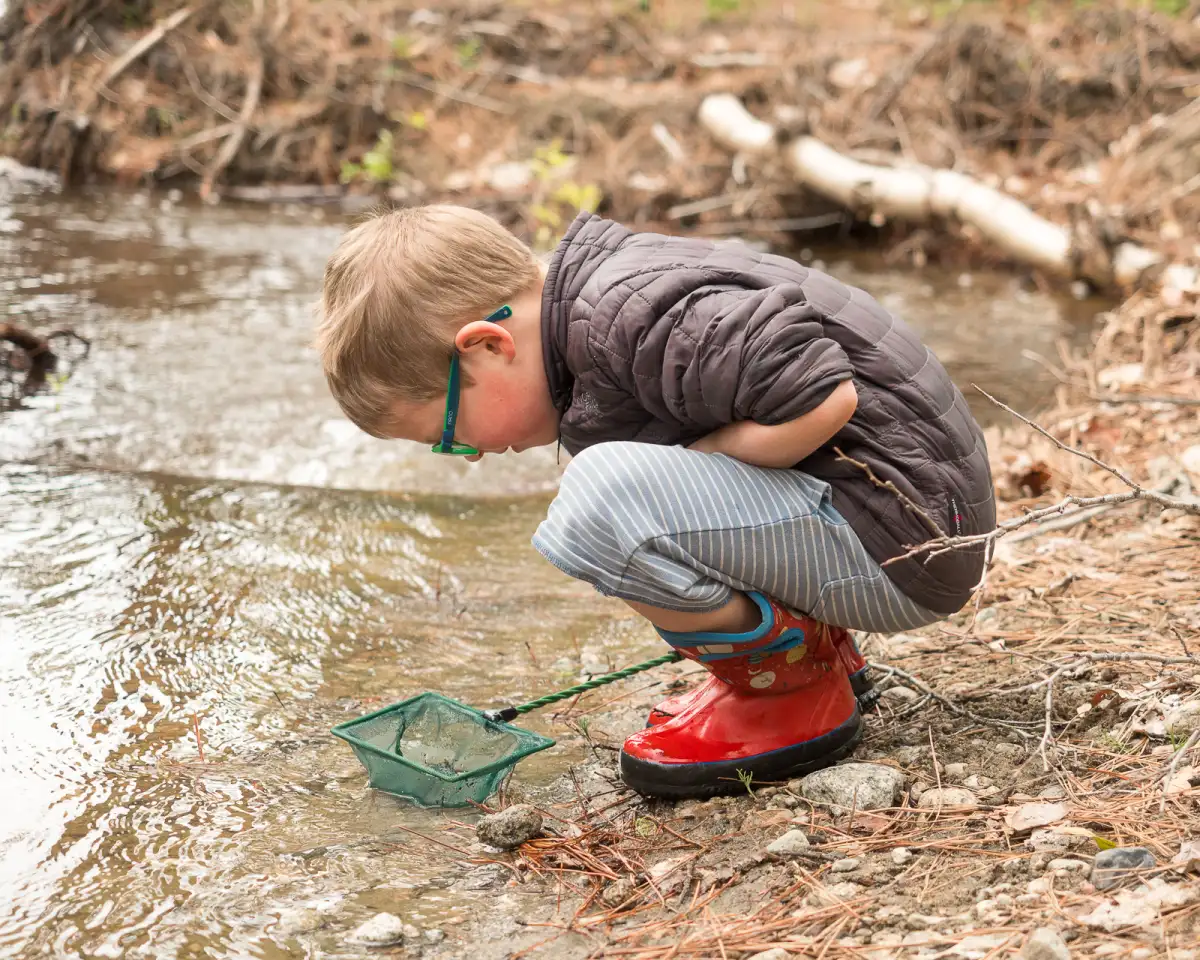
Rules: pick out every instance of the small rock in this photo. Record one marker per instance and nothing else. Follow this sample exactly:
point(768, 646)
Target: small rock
point(1185, 719)
point(434, 935)
point(901, 856)
point(848, 865)
point(382, 930)
point(1048, 841)
point(956, 771)
point(411, 932)
point(1030, 815)
point(858, 786)
point(923, 921)
point(1141, 953)
point(901, 694)
point(789, 845)
point(1039, 885)
point(1067, 865)
point(909, 755)
point(1142, 906)
point(946, 798)
point(618, 892)
point(1108, 949)
point(1052, 792)
point(845, 891)
point(775, 953)
point(1045, 943)
point(1111, 867)
point(509, 828)
point(987, 910)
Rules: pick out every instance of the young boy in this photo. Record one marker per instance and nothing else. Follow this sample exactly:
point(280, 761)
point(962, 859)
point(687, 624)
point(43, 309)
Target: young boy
point(739, 425)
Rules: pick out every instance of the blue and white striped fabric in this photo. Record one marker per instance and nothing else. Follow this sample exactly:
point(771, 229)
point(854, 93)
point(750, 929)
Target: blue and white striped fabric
point(678, 529)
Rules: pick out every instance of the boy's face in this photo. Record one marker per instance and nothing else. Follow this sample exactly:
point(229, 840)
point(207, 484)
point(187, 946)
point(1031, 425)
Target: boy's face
point(506, 405)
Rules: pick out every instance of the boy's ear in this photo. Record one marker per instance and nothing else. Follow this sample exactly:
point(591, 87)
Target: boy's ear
point(482, 335)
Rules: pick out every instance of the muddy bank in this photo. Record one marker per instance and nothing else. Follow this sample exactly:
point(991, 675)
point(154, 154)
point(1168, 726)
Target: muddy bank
point(1085, 112)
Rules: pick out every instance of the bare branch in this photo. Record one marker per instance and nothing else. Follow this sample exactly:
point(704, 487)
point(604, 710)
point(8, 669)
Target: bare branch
point(892, 488)
point(1119, 474)
point(921, 687)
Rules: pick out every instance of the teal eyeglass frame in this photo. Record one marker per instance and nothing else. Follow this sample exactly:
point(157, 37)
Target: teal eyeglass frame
point(447, 445)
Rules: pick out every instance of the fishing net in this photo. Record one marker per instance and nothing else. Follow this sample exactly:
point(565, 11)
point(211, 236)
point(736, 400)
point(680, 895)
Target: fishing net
point(436, 751)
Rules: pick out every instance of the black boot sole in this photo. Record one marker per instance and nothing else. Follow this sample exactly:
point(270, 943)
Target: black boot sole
point(676, 781)
point(864, 690)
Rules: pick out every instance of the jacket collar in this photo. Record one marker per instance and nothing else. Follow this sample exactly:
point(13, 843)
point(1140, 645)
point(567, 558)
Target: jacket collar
point(586, 244)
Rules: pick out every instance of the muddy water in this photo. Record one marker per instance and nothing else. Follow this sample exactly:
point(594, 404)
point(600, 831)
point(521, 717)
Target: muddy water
point(197, 552)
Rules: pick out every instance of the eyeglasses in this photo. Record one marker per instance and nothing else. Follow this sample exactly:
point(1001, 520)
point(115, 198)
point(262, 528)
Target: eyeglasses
point(448, 446)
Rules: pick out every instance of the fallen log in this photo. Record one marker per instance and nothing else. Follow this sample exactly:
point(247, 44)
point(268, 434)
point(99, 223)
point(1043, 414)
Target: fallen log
point(918, 193)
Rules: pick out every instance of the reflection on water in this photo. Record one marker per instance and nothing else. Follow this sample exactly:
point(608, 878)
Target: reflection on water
point(252, 607)
point(132, 604)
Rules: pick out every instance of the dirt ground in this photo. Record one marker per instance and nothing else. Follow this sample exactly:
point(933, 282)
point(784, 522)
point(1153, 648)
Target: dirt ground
point(1065, 704)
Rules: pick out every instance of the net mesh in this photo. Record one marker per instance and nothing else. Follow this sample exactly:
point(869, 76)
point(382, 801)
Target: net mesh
point(436, 751)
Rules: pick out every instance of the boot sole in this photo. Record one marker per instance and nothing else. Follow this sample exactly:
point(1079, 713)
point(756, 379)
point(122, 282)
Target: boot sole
point(675, 781)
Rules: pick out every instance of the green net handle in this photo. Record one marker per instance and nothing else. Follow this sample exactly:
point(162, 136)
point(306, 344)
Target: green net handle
point(506, 714)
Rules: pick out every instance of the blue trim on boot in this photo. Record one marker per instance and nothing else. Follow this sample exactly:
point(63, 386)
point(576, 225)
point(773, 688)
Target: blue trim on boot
point(700, 639)
point(791, 637)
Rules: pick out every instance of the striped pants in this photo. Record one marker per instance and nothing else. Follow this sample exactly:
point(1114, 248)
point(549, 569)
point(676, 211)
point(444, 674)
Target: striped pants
point(678, 529)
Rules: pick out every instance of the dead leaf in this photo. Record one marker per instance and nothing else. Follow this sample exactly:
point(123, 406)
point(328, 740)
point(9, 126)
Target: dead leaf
point(1181, 781)
point(1031, 815)
point(1188, 857)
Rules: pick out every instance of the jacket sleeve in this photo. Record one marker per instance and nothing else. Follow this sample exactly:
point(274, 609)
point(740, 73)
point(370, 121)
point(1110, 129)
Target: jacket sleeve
point(723, 354)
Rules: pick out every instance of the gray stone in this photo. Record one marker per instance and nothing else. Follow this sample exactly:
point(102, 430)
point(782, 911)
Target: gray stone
point(858, 786)
point(1184, 719)
point(434, 935)
point(848, 865)
point(901, 856)
point(382, 930)
point(947, 797)
point(1112, 867)
point(775, 953)
point(1045, 943)
point(955, 771)
point(789, 845)
point(509, 828)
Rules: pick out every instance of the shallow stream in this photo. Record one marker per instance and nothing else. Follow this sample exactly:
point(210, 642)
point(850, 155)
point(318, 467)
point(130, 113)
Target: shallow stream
point(197, 551)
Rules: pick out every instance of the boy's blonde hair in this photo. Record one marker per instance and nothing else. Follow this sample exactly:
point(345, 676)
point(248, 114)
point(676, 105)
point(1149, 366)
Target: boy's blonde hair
point(397, 289)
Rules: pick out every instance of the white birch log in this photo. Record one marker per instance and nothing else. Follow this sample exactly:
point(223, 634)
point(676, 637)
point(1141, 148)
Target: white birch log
point(920, 193)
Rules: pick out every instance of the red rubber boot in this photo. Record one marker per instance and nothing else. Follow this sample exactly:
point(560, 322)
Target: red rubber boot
point(782, 706)
point(843, 641)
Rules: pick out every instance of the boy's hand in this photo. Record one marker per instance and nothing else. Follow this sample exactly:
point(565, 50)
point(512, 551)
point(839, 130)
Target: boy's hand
point(784, 444)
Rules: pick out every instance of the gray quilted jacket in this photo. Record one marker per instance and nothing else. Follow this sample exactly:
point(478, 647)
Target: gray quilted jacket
point(663, 339)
